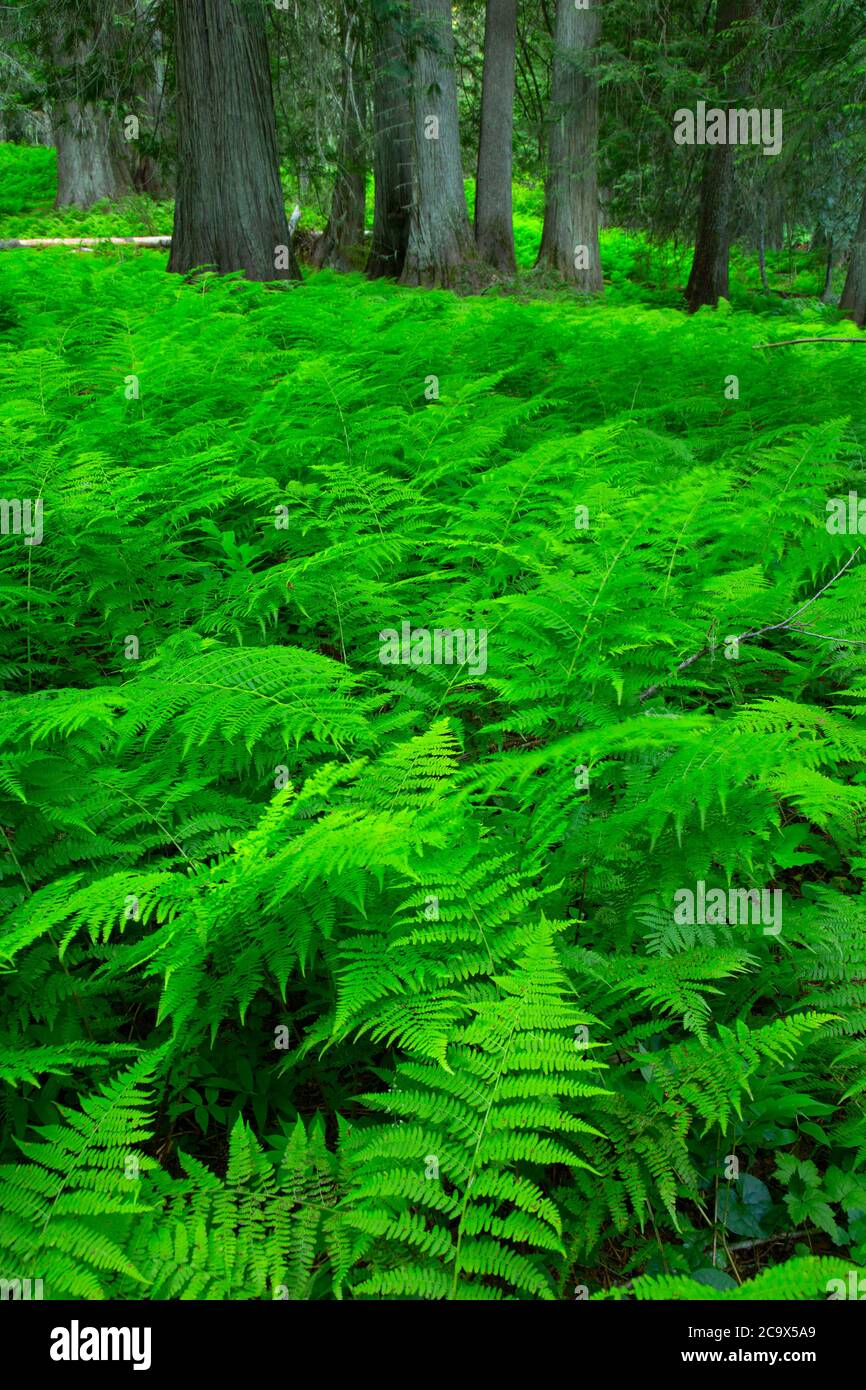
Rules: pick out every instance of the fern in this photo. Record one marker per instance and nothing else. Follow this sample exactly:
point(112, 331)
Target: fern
point(449, 1188)
point(808, 1277)
point(67, 1214)
point(355, 917)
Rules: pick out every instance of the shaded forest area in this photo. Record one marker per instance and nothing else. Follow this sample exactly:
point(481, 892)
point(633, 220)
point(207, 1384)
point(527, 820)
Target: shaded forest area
point(431, 738)
point(373, 112)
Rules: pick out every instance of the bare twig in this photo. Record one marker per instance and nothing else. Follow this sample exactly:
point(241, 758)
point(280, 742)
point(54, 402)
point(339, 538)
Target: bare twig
point(769, 1240)
point(789, 342)
point(788, 624)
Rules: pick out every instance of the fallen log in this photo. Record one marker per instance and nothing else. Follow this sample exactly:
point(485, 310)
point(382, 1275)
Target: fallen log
point(303, 238)
point(86, 241)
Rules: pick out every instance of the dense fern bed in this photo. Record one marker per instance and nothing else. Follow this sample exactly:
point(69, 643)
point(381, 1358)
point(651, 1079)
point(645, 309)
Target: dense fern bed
point(332, 976)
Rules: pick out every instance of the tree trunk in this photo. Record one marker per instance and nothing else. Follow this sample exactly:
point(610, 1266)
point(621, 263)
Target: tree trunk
point(101, 78)
point(708, 278)
point(827, 291)
point(762, 258)
point(494, 228)
point(775, 225)
point(341, 244)
point(151, 172)
point(440, 238)
point(229, 211)
point(392, 156)
point(91, 162)
point(853, 301)
point(92, 157)
point(569, 239)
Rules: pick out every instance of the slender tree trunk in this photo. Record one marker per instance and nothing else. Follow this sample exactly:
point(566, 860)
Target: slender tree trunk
point(569, 239)
point(341, 244)
point(708, 279)
point(775, 230)
point(151, 172)
point(853, 301)
point(229, 211)
point(827, 291)
point(762, 258)
point(440, 238)
point(392, 155)
point(494, 228)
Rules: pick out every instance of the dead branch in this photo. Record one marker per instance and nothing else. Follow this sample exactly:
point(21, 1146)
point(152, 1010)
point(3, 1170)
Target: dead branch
point(788, 624)
point(789, 342)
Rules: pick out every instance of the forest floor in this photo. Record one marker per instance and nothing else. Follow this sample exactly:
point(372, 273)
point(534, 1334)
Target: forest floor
point(636, 269)
point(605, 488)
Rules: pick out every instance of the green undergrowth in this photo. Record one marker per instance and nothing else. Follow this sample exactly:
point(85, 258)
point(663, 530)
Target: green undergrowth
point(325, 976)
point(28, 188)
point(636, 269)
point(28, 178)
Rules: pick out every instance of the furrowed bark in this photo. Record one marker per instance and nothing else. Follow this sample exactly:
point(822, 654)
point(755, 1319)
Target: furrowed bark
point(853, 300)
point(229, 211)
point(440, 238)
point(494, 228)
point(341, 244)
point(91, 162)
point(569, 239)
point(392, 158)
point(708, 278)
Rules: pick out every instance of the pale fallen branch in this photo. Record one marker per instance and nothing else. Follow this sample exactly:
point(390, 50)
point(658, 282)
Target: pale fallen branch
point(790, 342)
point(788, 624)
point(86, 241)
